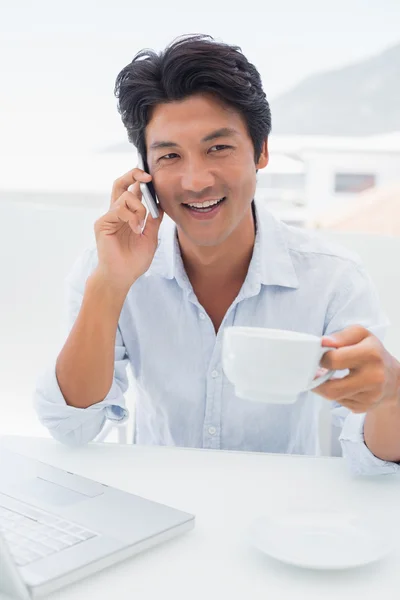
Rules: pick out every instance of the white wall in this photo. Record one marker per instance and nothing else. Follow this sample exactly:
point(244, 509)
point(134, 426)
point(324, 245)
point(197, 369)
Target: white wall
point(38, 245)
point(380, 257)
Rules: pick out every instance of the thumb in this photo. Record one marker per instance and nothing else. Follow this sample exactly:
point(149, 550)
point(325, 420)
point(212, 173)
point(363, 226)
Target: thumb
point(347, 337)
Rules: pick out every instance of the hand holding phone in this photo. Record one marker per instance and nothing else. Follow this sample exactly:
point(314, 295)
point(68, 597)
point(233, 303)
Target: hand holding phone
point(148, 192)
point(126, 240)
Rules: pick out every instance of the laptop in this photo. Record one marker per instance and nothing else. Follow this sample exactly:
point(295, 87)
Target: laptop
point(57, 527)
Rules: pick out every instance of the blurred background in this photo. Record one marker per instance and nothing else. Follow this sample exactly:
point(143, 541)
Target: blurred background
point(330, 71)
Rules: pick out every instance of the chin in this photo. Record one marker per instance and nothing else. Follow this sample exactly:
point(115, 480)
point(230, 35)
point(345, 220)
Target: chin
point(208, 241)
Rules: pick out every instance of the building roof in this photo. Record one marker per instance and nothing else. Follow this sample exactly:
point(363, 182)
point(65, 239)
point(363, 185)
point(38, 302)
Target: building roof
point(298, 144)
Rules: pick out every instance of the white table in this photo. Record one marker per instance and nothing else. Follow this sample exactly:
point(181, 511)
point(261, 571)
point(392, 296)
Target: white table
point(225, 490)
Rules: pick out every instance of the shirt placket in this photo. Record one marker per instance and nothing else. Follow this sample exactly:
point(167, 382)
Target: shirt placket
point(214, 378)
point(212, 344)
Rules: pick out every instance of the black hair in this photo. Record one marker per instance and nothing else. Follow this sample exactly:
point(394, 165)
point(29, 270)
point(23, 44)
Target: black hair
point(192, 64)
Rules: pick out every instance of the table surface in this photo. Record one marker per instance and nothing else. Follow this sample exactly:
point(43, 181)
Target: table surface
point(226, 491)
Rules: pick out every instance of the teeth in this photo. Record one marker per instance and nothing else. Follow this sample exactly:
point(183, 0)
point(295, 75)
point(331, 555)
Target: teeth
point(204, 204)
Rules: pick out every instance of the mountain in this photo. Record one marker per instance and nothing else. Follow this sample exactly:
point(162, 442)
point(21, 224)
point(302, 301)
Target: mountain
point(360, 99)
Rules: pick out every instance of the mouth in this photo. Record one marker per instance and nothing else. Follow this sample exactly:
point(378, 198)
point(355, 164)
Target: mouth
point(209, 210)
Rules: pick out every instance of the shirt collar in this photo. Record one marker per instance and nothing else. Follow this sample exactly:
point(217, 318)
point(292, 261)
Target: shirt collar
point(271, 263)
point(271, 255)
point(167, 261)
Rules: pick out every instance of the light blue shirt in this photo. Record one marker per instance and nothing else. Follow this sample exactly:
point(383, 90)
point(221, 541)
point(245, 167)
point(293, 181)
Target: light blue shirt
point(295, 281)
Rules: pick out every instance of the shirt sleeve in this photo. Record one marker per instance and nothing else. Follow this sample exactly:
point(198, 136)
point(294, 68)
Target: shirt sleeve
point(356, 302)
point(67, 424)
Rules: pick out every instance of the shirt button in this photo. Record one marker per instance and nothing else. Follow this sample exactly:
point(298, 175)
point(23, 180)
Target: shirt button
point(212, 430)
point(202, 316)
point(214, 374)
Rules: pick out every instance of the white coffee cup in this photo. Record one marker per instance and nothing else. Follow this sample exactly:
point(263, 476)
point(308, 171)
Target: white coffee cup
point(272, 365)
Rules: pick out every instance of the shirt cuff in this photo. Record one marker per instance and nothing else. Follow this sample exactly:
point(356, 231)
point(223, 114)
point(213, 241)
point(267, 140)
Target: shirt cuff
point(359, 457)
point(69, 424)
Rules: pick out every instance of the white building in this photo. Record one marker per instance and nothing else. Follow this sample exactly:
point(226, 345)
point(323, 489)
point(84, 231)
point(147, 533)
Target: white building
point(334, 171)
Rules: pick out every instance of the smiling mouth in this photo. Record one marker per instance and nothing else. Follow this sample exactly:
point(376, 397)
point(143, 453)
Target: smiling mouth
point(205, 209)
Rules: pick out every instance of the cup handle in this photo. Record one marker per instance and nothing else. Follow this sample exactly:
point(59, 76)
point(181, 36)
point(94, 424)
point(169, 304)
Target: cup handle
point(320, 380)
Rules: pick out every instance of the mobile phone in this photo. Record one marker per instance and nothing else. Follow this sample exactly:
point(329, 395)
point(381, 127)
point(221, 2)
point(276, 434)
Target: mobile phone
point(148, 192)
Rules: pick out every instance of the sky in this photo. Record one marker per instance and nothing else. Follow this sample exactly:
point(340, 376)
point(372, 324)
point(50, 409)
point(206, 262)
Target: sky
point(59, 60)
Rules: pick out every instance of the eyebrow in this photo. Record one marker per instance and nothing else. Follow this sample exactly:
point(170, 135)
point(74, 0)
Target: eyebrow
point(218, 133)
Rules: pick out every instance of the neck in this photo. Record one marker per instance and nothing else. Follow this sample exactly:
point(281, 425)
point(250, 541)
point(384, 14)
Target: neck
point(224, 263)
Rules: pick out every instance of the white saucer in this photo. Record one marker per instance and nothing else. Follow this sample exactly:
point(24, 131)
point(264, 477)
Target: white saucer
point(323, 539)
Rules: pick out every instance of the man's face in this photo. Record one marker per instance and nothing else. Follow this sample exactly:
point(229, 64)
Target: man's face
point(199, 150)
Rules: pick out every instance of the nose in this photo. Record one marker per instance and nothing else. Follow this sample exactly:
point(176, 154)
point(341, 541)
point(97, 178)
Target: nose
point(196, 177)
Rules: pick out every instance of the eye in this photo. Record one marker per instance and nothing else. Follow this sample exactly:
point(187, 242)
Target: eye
point(220, 147)
point(168, 156)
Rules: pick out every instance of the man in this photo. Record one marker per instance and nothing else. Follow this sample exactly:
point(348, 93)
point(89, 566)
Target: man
point(160, 297)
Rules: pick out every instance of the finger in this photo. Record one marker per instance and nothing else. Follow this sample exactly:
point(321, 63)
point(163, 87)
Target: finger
point(348, 357)
point(124, 215)
point(346, 387)
point(121, 184)
point(152, 225)
point(347, 337)
point(129, 209)
point(132, 202)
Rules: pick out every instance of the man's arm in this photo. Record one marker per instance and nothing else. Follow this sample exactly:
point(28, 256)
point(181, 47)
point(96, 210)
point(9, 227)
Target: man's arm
point(86, 387)
point(126, 244)
point(66, 423)
point(85, 365)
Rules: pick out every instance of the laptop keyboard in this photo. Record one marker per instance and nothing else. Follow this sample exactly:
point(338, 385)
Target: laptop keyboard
point(34, 534)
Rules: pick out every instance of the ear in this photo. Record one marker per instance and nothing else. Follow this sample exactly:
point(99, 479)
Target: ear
point(264, 156)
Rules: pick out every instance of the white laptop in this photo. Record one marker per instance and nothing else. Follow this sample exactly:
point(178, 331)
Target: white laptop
point(57, 527)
